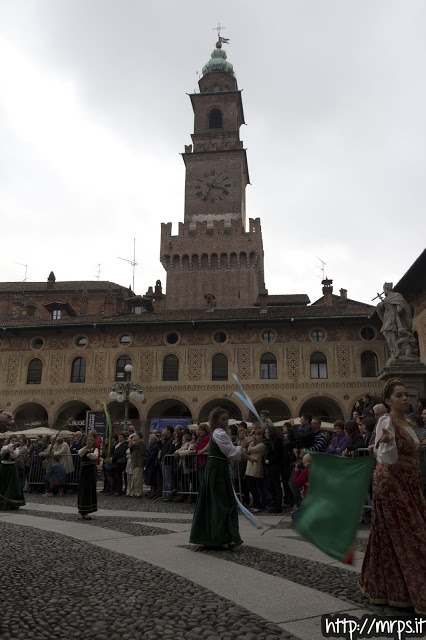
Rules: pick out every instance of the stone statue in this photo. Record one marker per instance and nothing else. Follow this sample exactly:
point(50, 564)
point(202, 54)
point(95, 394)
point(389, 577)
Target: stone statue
point(395, 313)
point(6, 421)
point(210, 300)
point(407, 345)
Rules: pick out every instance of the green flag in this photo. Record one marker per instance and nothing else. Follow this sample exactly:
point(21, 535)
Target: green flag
point(332, 509)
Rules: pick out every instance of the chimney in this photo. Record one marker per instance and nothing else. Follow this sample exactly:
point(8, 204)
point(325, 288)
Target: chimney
point(263, 298)
point(327, 290)
point(51, 280)
point(344, 294)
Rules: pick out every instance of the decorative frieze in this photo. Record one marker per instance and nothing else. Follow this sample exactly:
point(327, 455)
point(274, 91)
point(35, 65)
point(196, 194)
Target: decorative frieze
point(243, 361)
point(343, 359)
point(195, 363)
point(293, 362)
point(56, 368)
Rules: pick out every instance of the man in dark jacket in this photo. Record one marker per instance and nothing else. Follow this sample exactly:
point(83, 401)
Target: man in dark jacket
point(305, 434)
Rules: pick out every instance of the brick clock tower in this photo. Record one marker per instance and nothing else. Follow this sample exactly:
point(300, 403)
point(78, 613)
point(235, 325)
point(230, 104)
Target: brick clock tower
point(214, 261)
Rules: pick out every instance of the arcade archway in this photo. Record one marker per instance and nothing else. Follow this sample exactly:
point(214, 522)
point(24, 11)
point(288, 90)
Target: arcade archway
point(30, 414)
point(233, 410)
point(324, 408)
point(74, 410)
point(278, 410)
point(116, 411)
point(169, 409)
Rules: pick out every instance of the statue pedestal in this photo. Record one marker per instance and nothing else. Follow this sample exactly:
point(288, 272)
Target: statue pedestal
point(413, 374)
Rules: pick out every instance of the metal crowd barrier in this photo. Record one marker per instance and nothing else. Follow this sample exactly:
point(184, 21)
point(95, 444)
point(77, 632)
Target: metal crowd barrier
point(36, 473)
point(181, 476)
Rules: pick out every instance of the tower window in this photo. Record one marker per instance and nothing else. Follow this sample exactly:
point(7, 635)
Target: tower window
point(34, 372)
point(369, 365)
point(120, 373)
point(215, 119)
point(318, 365)
point(78, 370)
point(220, 367)
point(171, 368)
point(268, 367)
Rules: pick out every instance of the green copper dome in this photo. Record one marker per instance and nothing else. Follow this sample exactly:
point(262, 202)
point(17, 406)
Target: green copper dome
point(218, 62)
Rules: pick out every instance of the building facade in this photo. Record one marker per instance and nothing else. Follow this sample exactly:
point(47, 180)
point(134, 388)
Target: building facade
point(63, 345)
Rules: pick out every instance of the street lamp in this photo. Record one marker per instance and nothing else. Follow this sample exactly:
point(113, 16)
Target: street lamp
point(122, 391)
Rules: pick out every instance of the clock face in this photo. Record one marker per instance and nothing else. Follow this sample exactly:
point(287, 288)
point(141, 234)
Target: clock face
point(213, 186)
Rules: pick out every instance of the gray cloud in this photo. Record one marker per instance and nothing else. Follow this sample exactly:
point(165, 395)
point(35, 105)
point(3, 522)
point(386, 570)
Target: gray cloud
point(334, 104)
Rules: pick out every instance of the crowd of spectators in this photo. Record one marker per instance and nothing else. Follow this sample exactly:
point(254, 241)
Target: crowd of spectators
point(172, 464)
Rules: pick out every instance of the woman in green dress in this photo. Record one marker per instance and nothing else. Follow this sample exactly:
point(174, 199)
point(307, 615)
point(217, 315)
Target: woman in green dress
point(215, 522)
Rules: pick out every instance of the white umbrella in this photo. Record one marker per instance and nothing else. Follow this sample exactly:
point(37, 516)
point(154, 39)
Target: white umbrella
point(37, 431)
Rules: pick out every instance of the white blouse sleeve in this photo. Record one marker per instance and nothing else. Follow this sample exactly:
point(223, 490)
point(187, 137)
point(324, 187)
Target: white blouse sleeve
point(224, 443)
point(387, 452)
point(94, 455)
point(14, 453)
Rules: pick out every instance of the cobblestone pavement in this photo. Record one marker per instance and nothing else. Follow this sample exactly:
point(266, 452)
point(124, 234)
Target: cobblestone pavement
point(113, 503)
point(65, 582)
point(336, 581)
point(115, 523)
point(60, 588)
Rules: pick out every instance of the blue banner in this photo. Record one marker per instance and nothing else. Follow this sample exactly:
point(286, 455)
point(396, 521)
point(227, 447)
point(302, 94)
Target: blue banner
point(161, 423)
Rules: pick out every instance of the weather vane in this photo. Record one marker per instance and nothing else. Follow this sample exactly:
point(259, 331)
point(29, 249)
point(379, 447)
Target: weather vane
point(219, 28)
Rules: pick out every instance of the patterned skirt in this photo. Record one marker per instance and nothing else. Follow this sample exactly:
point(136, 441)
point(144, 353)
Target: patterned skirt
point(394, 567)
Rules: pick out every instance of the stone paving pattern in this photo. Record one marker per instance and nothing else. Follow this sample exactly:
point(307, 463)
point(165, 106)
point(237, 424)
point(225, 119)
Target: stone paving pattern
point(81, 582)
point(62, 588)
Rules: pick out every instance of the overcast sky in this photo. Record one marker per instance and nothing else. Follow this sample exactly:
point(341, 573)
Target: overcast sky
point(94, 115)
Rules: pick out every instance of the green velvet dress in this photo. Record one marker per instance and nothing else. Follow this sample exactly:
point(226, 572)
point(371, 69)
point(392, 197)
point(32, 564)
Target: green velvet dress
point(11, 495)
point(215, 520)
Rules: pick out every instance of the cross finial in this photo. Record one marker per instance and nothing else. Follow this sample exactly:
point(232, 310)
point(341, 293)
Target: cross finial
point(219, 28)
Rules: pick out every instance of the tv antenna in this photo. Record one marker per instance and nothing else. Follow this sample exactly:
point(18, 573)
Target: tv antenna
point(98, 274)
point(26, 270)
point(133, 262)
point(321, 268)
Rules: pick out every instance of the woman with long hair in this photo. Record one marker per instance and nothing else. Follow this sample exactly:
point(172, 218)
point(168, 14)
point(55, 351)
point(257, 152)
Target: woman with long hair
point(215, 522)
point(394, 568)
point(87, 499)
point(354, 438)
